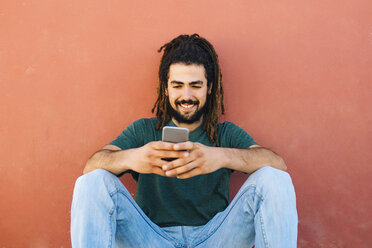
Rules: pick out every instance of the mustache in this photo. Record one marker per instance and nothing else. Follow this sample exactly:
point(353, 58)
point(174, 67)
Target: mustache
point(196, 102)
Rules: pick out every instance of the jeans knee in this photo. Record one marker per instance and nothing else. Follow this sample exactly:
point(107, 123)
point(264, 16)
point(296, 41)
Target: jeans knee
point(270, 175)
point(272, 180)
point(94, 179)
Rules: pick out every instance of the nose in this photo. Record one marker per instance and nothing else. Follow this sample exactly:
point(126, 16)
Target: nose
point(187, 93)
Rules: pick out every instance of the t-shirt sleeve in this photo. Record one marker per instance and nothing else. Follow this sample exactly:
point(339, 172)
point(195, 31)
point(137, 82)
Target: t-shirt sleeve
point(236, 137)
point(233, 136)
point(131, 137)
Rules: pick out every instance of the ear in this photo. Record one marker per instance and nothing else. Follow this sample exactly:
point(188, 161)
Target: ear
point(210, 88)
point(166, 91)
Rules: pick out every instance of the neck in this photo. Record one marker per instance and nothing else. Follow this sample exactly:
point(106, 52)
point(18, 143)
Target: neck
point(191, 126)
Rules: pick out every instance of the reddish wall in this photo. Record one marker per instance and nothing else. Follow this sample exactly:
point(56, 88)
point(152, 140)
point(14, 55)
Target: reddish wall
point(297, 77)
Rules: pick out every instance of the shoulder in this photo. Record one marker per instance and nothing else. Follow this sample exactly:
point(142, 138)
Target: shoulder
point(144, 122)
point(231, 135)
point(140, 127)
point(136, 134)
point(228, 126)
point(145, 129)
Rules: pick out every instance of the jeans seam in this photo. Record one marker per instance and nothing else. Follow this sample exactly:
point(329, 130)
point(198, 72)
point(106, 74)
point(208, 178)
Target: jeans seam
point(184, 236)
point(263, 230)
point(223, 220)
point(111, 212)
point(143, 217)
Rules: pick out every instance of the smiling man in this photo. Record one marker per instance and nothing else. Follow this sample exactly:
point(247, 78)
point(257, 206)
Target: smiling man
point(185, 202)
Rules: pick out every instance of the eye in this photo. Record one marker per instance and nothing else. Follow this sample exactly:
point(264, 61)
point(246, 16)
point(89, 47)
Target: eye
point(196, 86)
point(176, 86)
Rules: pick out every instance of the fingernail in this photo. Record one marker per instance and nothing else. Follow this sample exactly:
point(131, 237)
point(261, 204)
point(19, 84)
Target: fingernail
point(186, 154)
point(165, 167)
point(168, 173)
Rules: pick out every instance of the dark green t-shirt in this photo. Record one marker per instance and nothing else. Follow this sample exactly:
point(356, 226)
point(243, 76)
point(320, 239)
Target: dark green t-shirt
point(182, 202)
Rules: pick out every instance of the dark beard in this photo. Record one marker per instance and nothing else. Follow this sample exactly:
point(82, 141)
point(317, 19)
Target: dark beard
point(183, 119)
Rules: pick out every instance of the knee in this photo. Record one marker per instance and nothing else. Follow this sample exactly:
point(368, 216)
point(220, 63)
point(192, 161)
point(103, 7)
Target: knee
point(269, 175)
point(91, 190)
point(94, 180)
point(272, 181)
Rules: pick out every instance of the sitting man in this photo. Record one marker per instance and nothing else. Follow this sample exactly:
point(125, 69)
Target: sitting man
point(185, 202)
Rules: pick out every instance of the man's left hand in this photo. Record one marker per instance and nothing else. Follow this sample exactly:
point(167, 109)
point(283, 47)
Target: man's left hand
point(201, 159)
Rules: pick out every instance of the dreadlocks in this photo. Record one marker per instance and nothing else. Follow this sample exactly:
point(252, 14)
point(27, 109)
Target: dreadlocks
point(191, 49)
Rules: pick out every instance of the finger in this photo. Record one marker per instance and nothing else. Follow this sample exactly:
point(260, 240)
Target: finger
point(159, 162)
point(182, 169)
point(195, 172)
point(171, 154)
point(161, 145)
point(188, 145)
point(158, 171)
point(164, 163)
point(178, 162)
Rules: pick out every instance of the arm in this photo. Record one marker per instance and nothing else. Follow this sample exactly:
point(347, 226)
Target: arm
point(251, 159)
point(146, 159)
point(110, 158)
point(203, 159)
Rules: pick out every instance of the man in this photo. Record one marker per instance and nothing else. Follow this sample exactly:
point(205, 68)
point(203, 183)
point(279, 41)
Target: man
point(185, 202)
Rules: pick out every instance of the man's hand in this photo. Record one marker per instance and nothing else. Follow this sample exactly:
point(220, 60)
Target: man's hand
point(148, 158)
point(198, 159)
point(203, 159)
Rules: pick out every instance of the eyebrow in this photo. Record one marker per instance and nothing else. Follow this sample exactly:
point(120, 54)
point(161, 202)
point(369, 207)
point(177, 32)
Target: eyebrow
point(192, 83)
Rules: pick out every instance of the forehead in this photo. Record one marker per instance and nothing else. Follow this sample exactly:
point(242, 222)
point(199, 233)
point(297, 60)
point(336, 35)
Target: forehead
point(186, 73)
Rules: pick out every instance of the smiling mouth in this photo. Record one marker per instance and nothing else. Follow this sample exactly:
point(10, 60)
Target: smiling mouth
point(187, 105)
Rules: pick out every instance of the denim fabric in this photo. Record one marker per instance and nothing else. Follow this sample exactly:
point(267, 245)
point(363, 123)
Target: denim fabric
point(263, 213)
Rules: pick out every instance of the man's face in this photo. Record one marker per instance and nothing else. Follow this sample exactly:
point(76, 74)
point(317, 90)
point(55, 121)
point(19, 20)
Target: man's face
point(187, 92)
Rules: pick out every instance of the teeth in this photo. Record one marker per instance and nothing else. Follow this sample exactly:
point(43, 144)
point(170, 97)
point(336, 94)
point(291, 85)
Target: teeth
point(187, 106)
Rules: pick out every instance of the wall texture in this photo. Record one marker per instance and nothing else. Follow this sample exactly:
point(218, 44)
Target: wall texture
point(297, 77)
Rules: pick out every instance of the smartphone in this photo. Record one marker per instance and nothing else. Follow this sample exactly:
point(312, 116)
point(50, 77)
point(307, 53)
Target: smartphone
point(174, 135)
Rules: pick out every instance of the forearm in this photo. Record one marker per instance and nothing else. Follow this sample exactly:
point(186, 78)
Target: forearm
point(146, 159)
point(251, 159)
point(110, 160)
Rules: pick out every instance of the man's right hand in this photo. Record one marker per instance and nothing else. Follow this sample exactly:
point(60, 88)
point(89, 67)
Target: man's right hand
point(146, 159)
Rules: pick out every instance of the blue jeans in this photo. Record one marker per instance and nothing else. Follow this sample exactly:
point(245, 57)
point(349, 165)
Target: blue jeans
point(263, 213)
